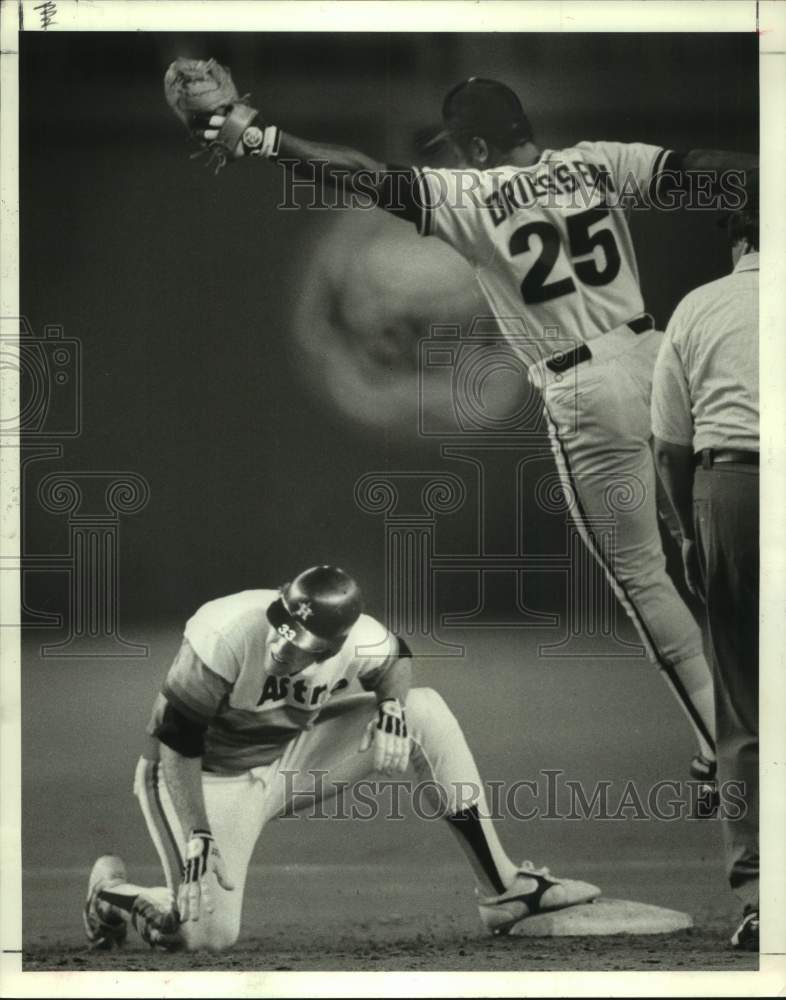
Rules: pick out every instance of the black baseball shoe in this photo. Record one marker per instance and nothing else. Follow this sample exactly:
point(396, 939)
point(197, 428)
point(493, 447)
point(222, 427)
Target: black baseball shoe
point(534, 890)
point(746, 937)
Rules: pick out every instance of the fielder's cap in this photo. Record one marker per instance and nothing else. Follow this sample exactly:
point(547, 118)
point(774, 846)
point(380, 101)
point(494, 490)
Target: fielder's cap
point(486, 108)
point(316, 611)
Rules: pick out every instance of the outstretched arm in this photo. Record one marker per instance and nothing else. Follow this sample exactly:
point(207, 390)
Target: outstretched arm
point(719, 159)
point(324, 165)
point(299, 153)
point(337, 159)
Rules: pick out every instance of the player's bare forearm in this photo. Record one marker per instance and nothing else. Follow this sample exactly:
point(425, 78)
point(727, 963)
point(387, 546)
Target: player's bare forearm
point(301, 154)
point(183, 776)
point(395, 682)
point(719, 160)
point(675, 468)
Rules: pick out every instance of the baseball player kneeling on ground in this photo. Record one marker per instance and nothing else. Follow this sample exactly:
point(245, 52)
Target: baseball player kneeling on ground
point(267, 689)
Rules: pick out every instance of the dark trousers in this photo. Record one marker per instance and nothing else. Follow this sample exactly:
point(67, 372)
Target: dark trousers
point(726, 519)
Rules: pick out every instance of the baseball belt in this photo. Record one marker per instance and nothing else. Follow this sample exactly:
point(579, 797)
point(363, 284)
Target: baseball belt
point(708, 457)
point(582, 353)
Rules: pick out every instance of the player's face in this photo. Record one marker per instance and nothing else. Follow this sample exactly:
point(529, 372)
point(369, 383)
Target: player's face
point(283, 658)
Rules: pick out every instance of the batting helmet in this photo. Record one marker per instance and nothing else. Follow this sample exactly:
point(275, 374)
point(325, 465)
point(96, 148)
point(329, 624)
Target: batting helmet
point(485, 108)
point(317, 609)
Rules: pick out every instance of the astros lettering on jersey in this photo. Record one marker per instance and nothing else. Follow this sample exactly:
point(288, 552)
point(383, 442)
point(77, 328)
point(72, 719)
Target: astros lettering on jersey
point(218, 678)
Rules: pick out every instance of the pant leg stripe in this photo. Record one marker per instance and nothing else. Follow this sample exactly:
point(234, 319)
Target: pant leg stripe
point(171, 839)
point(587, 534)
point(158, 824)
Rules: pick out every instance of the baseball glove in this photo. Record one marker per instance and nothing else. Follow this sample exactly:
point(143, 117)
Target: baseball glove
point(196, 89)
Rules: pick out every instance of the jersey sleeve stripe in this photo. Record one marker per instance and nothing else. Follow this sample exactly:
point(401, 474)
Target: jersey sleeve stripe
point(657, 167)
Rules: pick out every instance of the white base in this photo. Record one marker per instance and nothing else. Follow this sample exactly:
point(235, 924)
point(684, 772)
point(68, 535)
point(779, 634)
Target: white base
point(603, 916)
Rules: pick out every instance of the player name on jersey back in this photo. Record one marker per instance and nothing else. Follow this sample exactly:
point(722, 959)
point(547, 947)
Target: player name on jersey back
point(585, 181)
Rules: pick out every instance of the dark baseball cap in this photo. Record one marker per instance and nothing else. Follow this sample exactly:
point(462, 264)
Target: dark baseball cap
point(486, 108)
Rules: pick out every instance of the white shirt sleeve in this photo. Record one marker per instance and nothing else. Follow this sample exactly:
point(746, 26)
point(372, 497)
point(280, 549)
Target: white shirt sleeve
point(672, 419)
point(632, 165)
point(451, 207)
point(212, 648)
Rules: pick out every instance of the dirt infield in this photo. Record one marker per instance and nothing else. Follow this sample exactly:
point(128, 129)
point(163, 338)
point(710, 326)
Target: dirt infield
point(690, 951)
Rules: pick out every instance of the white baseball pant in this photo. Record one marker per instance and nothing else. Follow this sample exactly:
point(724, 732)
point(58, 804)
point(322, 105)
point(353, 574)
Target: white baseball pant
point(599, 424)
point(239, 806)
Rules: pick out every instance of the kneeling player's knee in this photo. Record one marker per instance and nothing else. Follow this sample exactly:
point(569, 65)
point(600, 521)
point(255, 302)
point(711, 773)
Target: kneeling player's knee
point(224, 939)
point(211, 935)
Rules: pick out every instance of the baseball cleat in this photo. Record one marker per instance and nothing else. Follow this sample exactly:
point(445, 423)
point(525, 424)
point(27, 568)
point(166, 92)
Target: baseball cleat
point(707, 796)
point(156, 918)
point(105, 926)
point(534, 890)
point(746, 937)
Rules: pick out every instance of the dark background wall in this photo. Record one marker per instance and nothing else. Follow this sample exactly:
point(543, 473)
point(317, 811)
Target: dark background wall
point(182, 286)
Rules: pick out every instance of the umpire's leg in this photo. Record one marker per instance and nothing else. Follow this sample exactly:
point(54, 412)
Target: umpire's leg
point(726, 512)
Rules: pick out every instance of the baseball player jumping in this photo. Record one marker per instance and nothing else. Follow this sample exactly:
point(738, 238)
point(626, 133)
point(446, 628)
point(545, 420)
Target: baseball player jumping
point(270, 691)
point(547, 234)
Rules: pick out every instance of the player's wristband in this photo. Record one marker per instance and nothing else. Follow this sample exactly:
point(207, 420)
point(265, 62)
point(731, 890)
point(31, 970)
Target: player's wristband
point(391, 717)
point(261, 141)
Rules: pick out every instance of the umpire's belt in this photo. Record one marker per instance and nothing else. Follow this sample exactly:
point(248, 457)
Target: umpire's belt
point(708, 457)
point(564, 362)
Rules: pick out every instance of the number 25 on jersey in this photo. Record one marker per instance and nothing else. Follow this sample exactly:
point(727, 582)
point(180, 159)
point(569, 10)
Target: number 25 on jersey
point(535, 286)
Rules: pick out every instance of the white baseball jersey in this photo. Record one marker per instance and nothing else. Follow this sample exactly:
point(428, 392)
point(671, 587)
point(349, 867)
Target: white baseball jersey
point(550, 242)
point(218, 679)
point(705, 390)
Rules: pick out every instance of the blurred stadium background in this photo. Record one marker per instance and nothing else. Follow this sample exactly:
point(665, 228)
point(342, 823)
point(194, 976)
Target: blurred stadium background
point(251, 364)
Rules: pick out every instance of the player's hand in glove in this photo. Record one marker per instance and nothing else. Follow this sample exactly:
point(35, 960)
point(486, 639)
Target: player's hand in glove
point(389, 737)
point(202, 95)
point(202, 859)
